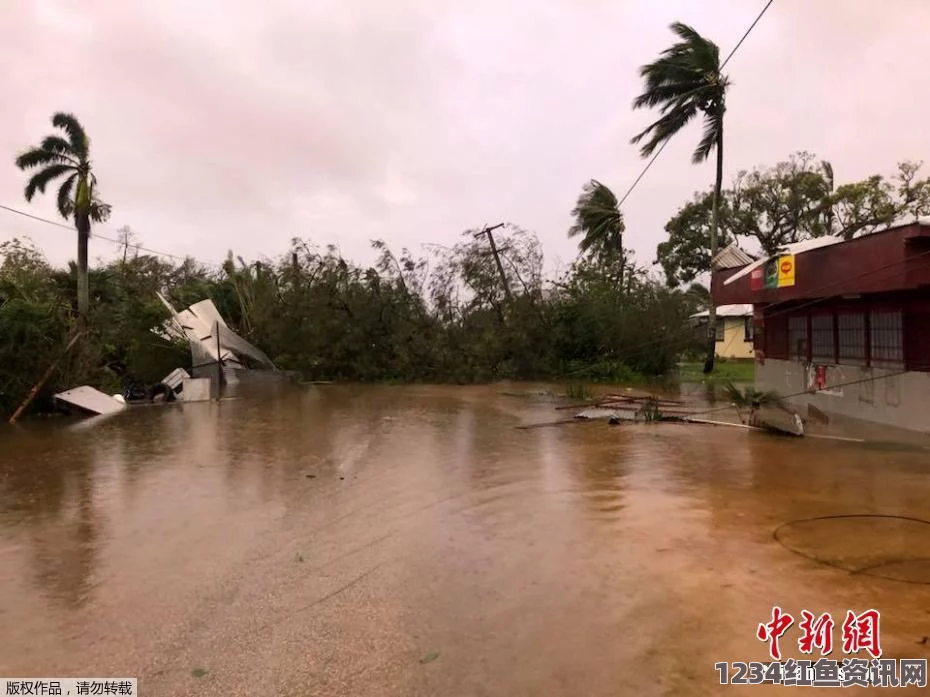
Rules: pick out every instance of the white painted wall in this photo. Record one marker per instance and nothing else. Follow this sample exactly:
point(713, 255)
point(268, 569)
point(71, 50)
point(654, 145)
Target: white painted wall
point(901, 400)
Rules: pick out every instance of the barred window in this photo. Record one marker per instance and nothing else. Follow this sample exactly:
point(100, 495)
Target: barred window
point(823, 342)
point(720, 330)
point(797, 338)
point(887, 337)
point(850, 329)
point(747, 329)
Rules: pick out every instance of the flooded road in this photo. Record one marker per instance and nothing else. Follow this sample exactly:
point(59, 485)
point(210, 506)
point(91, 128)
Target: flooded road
point(411, 541)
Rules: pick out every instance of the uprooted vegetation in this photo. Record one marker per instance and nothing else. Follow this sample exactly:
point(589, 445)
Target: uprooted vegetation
point(444, 317)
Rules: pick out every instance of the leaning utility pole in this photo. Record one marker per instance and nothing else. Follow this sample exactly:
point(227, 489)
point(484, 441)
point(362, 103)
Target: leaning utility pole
point(497, 257)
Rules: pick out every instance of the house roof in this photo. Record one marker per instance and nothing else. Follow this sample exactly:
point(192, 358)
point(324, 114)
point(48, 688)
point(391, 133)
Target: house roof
point(793, 248)
point(807, 245)
point(731, 257)
point(728, 311)
point(896, 259)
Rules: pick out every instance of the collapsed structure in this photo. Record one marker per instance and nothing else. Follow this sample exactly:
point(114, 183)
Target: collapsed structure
point(218, 355)
point(215, 348)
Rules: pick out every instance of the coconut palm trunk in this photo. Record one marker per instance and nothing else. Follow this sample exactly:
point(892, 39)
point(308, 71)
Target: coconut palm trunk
point(82, 223)
point(715, 222)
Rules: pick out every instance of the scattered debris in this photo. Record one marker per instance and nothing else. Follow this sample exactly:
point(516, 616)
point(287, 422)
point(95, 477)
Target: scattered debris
point(560, 422)
point(777, 418)
point(213, 344)
point(90, 400)
point(175, 378)
point(195, 389)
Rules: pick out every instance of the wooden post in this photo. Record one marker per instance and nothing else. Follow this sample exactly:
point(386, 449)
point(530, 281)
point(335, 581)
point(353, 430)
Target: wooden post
point(219, 363)
point(497, 257)
point(45, 376)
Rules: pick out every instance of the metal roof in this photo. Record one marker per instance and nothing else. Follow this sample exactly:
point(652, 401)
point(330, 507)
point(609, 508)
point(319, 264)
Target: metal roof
point(731, 257)
point(793, 248)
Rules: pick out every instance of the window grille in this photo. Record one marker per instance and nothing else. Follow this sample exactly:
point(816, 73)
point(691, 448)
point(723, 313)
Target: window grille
point(850, 329)
point(823, 340)
point(797, 338)
point(887, 337)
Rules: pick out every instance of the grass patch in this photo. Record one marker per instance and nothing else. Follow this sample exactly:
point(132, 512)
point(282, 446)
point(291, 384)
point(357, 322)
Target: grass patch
point(732, 371)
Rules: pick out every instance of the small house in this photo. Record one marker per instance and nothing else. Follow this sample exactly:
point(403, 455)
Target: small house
point(733, 331)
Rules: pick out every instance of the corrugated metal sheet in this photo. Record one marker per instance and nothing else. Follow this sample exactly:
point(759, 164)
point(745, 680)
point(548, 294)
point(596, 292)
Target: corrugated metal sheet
point(732, 257)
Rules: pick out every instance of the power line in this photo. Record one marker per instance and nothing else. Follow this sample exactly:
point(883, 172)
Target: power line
point(722, 66)
point(751, 27)
point(871, 378)
point(35, 217)
point(95, 235)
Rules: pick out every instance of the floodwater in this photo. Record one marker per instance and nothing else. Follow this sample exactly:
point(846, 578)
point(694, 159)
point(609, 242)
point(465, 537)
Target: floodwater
point(411, 541)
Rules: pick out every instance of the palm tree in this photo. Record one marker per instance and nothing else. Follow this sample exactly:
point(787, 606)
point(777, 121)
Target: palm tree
point(68, 157)
point(685, 81)
point(598, 218)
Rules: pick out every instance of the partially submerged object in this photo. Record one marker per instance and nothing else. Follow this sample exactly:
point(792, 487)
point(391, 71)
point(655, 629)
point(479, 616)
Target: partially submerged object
point(215, 348)
point(196, 390)
point(89, 400)
point(777, 418)
point(766, 411)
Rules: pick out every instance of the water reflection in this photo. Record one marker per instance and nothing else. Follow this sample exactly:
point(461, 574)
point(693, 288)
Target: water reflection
point(49, 509)
point(348, 531)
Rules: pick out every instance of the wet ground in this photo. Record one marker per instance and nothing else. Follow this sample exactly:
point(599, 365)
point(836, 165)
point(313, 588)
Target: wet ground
point(411, 541)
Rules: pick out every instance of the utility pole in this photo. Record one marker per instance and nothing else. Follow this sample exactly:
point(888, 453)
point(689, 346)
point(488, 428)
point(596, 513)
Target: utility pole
point(497, 257)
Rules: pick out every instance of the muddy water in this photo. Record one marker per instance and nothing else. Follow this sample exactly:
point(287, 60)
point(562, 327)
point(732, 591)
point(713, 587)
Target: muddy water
point(411, 541)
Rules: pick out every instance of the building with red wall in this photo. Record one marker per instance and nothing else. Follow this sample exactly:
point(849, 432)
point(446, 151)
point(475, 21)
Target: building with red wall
point(844, 323)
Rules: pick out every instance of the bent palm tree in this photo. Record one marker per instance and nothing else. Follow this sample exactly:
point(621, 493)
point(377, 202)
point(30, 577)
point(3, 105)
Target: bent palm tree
point(598, 217)
point(685, 81)
point(77, 197)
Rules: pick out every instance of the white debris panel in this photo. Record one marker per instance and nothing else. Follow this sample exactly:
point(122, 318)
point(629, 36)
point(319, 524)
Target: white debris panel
point(91, 400)
point(209, 336)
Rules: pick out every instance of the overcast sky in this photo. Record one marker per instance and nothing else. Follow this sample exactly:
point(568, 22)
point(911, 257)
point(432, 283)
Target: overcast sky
point(224, 124)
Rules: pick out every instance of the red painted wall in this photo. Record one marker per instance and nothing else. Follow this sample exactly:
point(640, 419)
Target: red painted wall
point(893, 260)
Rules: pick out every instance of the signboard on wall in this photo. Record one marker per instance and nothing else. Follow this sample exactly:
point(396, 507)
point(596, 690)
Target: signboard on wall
point(776, 273)
point(786, 271)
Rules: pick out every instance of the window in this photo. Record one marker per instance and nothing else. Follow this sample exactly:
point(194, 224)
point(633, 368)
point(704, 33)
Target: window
point(720, 329)
point(823, 341)
point(747, 329)
point(797, 338)
point(887, 339)
point(850, 329)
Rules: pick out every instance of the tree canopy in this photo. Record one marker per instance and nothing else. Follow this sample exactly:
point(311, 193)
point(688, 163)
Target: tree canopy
point(794, 200)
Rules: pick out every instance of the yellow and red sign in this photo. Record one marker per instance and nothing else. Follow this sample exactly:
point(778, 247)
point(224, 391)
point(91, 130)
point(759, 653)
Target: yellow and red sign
point(786, 271)
point(776, 273)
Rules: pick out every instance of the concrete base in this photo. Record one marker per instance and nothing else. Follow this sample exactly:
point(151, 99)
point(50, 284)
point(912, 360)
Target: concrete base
point(196, 390)
point(884, 396)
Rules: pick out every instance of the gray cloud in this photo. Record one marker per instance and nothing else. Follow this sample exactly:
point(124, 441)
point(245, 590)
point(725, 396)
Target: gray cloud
point(239, 125)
